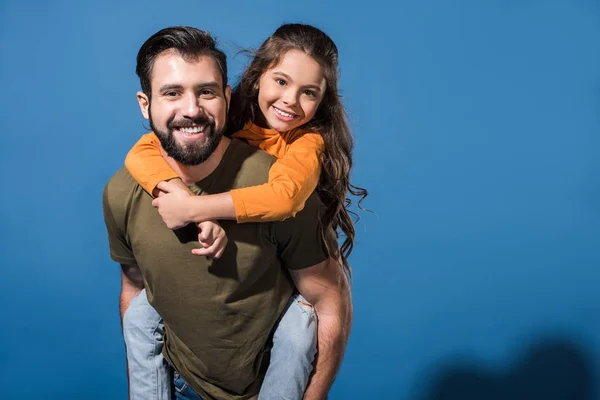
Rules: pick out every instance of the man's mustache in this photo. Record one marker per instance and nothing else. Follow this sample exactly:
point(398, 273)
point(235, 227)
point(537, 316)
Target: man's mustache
point(189, 122)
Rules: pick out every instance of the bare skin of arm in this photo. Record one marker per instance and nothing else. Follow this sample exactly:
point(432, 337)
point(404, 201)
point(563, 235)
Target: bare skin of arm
point(131, 286)
point(211, 235)
point(179, 207)
point(326, 287)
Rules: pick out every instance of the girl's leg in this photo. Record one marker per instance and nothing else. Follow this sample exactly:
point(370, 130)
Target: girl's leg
point(149, 372)
point(293, 352)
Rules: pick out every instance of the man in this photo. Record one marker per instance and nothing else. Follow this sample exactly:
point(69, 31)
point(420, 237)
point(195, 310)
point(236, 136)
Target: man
point(218, 314)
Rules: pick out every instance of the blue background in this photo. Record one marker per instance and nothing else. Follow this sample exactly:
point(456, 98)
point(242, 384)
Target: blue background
point(477, 134)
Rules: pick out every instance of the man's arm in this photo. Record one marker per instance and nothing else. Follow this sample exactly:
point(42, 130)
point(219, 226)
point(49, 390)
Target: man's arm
point(131, 285)
point(326, 287)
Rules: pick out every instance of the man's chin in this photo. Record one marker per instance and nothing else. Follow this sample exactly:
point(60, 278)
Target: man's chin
point(195, 152)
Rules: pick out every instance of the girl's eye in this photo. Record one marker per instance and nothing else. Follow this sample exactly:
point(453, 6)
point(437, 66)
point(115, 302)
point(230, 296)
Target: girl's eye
point(280, 81)
point(310, 93)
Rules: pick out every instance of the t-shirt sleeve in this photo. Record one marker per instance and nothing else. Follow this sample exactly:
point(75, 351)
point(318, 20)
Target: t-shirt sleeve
point(300, 241)
point(146, 164)
point(291, 181)
point(120, 250)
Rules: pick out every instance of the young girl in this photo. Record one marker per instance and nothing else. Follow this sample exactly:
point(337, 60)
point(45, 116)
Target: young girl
point(287, 104)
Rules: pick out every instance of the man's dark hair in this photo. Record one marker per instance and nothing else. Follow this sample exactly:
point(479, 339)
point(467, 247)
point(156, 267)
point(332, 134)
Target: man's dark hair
point(189, 42)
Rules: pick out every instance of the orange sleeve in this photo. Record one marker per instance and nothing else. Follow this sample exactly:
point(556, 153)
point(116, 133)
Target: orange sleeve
point(292, 179)
point(145, 163)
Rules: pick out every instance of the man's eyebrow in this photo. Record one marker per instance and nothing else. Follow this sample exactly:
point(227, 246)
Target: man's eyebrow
point(164, 88)
point(175, 86)
point(289, 78)
point(211, 84)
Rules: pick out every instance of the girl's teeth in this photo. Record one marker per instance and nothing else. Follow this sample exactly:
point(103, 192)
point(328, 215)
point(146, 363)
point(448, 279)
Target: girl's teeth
point(283, 113)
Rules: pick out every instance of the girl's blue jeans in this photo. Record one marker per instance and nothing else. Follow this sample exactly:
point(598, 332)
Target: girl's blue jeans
point(292, 355)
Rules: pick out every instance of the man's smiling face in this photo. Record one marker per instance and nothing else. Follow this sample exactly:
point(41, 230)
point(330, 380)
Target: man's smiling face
point(188, 106)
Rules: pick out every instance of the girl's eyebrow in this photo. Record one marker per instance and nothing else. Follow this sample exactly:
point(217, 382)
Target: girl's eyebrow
point(315, 87)
point(283, 74)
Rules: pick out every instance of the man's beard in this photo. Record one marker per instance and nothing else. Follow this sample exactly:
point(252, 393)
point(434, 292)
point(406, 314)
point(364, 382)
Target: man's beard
point(192, 153)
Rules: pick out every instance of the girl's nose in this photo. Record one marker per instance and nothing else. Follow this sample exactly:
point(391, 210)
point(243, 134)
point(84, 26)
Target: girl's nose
point(289, 97)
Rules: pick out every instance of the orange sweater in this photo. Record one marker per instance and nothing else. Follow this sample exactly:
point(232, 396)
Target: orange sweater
point(292, 178)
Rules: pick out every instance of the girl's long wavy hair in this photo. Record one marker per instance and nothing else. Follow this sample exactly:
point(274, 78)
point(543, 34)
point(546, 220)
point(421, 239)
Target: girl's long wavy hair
point(330, 121)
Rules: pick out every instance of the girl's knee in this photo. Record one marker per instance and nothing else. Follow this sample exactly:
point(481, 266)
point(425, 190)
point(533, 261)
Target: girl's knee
point(297, 329)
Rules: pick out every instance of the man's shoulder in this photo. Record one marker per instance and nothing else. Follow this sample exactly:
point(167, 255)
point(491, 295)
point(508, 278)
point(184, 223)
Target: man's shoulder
point(121, 180)
point(244, 151)
point(120, 187)
point(253, 164)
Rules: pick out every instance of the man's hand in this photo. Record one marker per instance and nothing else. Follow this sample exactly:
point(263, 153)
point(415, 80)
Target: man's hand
point(213, 239)
point(171, 203)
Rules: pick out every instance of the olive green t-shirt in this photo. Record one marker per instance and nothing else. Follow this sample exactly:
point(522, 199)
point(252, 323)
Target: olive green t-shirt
point(218, 314)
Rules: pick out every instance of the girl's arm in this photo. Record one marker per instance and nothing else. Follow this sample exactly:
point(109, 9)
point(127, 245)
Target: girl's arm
point(146, 164)
point(148, 167)
point(292, 179)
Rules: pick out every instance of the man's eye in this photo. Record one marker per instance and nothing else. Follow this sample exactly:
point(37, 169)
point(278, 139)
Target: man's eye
point(171, 94)
point(280, 81)
point(207, 93)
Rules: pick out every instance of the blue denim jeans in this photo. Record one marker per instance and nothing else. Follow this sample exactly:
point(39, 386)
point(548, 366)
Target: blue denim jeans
point(294, 349)
point(293, 352)
point(182, 390)
point(149, 372)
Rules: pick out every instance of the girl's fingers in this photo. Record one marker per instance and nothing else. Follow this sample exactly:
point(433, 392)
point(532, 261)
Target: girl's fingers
point(206, 235)
point(209, 251)
point(214, 250)
point(220, 252)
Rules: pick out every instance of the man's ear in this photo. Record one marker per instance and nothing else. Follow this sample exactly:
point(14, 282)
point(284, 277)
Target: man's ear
point(144, 104)
point(228, 96)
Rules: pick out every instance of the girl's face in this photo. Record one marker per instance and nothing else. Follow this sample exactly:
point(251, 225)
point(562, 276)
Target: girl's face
point(290, 92)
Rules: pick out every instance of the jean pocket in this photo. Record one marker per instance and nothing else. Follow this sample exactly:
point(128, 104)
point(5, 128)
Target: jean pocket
point(179, 383)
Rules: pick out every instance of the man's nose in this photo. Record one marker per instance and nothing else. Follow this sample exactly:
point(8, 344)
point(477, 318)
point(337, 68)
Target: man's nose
point(191, 107)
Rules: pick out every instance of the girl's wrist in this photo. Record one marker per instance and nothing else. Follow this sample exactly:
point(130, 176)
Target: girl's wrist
point(191, 209)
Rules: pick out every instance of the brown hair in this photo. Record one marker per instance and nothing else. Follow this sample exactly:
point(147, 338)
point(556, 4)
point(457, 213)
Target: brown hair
point(189, 42)
point(330, 121)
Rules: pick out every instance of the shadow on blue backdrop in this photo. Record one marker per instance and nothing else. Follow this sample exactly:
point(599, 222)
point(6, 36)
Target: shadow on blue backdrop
point(550, 369)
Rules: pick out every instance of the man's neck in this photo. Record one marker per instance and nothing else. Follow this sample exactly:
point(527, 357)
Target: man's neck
point(191, 174)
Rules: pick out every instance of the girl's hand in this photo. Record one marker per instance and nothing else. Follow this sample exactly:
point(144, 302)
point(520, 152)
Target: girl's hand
point(213, 239)
point(171, 204)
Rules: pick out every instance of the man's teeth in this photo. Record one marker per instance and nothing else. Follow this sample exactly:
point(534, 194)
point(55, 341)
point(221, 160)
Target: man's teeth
point(192, 130)
point(283, 113)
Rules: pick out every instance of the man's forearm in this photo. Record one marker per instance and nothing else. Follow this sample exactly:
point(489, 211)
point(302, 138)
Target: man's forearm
point(333, 331)
point(127, 294)
point(131, 285)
